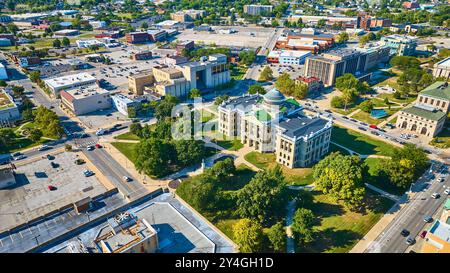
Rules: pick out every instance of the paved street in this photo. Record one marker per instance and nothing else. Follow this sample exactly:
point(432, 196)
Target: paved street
point(410, 217)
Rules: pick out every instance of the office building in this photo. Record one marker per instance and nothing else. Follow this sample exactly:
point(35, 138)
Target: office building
point(187, 15)
point(138, 82)
point(442, 69)
point(8, 109)
point(137, 37)
point(123, 104)
point(85, 99)
point(258, 9)
point(400, 45)
point(68, 82)
point(428, 115)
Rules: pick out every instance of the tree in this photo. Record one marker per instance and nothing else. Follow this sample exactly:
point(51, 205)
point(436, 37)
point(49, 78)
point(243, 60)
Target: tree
point(68, 148)
point(200, 191)
point(366, 106)
point(341, 177)
point(165, 106)
point(256, 88)
point(337, 102)
point(302, 225)
point(263, 197)
point(247, 57)
point(35, 76)
point(152, 157)
point(3, 83)
point(7, 137)
point(221, 99)
point(66, 42)
point(277, 237)
point(136, 128)
point(189, 152)
point(248, 235)
point(285, 84)
point(342, 37)
point(223, 170)
point(406, 165)
point(405, 62)
point(56, 43)
point(132, 113)
point(300, 91)
point(144, 25)
point(34, 134)
point(194, 93)
point(321, 23)
point(266, 74)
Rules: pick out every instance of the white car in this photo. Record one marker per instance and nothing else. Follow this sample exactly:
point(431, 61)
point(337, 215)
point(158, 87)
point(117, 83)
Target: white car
point(435, 195)
point(447, 191)
point(126, 179)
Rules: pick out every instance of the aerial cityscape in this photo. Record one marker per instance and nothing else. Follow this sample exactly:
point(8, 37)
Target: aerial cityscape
point(227, 126)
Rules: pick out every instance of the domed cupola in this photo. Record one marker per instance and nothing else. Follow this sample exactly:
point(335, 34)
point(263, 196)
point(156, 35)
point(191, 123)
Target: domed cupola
point(274, 97)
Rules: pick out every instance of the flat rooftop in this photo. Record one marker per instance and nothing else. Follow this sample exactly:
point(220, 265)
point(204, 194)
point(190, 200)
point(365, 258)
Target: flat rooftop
point(30, 197)
point(5, 101)
point(444, 63)
point(441, 230)
point(64, 81)
point(179, 229)
point(299, 126)
point(86, 91)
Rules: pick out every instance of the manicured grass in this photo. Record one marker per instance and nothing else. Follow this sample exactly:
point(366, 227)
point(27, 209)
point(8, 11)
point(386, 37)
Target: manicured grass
point(401, 100)
point(25, 143)
point(231, 145)
point(339, 229)
point(335, 148)
point(442, 140)
point(127, 136)
point(360, 143)
point(206, 116)
point(127, 149)
point(378, 180)
point(296, 176)
point(238, 72)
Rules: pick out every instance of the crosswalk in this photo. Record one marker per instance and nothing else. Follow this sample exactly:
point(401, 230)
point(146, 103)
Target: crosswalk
point(84, 144)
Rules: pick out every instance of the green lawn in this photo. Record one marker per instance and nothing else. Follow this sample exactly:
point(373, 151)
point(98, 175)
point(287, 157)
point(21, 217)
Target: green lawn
point(367, 118)
point(401, 100)
point(360, 143)
point(231, 145)
point(335, 148)
point(442, 140)
point(296, 176)
point(127, 136)
point(378, 180)
point(238, 72)
point(127, 149)
point(339, 229)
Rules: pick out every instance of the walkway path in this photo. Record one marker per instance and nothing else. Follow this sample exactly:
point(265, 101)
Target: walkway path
point(290, 241)
point(393, 197)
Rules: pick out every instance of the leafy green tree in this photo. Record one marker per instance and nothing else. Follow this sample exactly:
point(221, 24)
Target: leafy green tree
point(285, 84)
point(248, 235)
point(7, 137)
point(189, 152)
point(405, 62)
point(35, 76)
point(223, 170)
point(165, 106)
point(27, 114)
point(56, 43)
point(136, 128)
point(366, 106)
point(221, 99)
point(3, 83)
point(277, 237)
point(266, 74)
point(66, 42)
point(256, 88)
point(247, 57)
point(337, 102)
point(302, 225)
point(406, 165)
point(34, 134)
point(132, 113)
point(200, 192)
point(144, 25)
point(152, 157)
point(341, 177)
point(194, 93)
point(263, 197)
point(300, 91)
point(342, 37)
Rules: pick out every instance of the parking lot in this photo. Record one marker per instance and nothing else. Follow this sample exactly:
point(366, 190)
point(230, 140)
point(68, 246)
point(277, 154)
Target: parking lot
point(293, 70)
point(244, 37)
point(32, 196)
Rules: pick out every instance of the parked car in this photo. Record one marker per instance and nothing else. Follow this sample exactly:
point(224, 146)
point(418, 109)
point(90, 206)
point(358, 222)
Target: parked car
point(79, 161)
point(373, 126)
point(88, 173)
point(90, 148)
point(428, 219)
point(54, 165)
point(52, 188)
point(362, 128)
point(423, 234)
point(98, 146)
point(435, 195)
point(447, 191)
point(19, 157)
point(44, 148)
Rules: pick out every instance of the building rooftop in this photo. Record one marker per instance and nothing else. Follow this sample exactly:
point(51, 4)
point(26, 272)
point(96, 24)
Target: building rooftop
point(441, 230)
point(70, 80)
point(274, 96)
point(439, 90)
point(123, 98)
point(444, 63)
point(294, 53)
point(6, 101)
point(421, 111)
point(83, 92)
point(300, 126)
point(6, 174)
point(244, 102)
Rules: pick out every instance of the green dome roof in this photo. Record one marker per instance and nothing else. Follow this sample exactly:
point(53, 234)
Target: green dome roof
point(274, 96)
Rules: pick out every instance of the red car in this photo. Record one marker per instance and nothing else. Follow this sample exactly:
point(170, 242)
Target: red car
point(52, 188)
point(98, 146)
point(373, 126)
point(423, 234)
